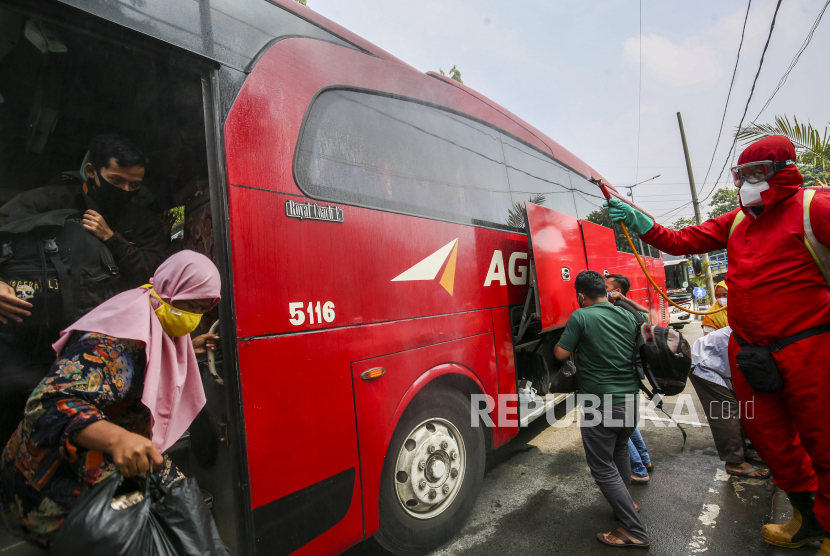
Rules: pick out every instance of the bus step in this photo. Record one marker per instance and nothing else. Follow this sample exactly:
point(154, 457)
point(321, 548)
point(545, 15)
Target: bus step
point(12, 546)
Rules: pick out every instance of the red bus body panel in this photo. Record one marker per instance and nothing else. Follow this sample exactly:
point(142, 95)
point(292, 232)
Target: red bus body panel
point(601, 248)
point(381, 402)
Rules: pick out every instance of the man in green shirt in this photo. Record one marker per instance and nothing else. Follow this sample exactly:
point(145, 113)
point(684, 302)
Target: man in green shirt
point(603, 337)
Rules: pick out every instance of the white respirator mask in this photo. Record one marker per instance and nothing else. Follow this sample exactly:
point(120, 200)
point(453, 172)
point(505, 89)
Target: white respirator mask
point(751, 193)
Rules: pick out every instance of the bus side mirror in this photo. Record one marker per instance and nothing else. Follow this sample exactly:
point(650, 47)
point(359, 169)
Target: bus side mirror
point(697, 265)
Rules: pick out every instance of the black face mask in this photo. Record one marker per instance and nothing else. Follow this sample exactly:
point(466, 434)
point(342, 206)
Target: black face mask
point(112, 198)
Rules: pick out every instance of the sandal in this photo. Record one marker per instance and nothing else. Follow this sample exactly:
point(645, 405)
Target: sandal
point(650, 467)
point(746, 473)
point(635, 480)
point(620, 535)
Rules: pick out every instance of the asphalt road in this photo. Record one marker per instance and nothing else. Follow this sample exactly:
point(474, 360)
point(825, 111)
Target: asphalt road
point(538, 496)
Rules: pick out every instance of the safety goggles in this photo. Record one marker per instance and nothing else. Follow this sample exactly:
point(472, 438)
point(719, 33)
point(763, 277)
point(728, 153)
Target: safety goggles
point(754, 172)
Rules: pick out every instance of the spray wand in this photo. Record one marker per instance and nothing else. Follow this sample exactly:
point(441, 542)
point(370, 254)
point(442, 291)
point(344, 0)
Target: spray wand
point(607, 194)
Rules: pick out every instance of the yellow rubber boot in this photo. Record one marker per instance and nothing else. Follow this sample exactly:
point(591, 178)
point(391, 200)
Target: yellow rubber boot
point(799, 530)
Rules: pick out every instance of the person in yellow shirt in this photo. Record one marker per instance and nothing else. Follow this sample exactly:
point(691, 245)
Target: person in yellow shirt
point(717, 321)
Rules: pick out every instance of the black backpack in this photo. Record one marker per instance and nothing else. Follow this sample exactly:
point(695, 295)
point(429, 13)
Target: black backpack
point(662, 355)
point(53, 263)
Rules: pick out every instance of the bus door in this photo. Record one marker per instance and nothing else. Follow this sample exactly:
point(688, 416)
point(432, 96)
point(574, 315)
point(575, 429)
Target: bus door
point(558, 256)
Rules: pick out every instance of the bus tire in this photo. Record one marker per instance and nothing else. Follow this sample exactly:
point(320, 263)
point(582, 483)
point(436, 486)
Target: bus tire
point(432, 473)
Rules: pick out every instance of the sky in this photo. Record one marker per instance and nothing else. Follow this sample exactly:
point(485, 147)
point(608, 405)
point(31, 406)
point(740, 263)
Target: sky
point(572, 69)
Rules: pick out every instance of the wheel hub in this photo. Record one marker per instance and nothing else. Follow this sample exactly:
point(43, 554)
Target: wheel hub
point(436, 468)
point(430, 468)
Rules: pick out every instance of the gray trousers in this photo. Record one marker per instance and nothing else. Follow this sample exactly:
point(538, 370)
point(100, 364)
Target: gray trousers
point(721, 408)
point(606, 449)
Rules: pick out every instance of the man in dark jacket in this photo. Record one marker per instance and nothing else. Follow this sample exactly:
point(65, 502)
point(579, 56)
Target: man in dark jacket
point(132, 233)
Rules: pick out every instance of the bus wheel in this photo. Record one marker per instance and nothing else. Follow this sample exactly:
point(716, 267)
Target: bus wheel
point(431, 475)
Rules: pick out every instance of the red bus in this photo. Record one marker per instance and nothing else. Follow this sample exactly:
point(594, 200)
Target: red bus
point(367, 220)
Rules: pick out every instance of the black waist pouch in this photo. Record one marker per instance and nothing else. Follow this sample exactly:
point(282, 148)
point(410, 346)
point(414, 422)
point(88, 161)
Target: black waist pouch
point(757, 364)
point(759, 368)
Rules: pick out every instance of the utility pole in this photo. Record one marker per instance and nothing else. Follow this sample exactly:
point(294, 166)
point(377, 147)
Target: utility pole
point(709, 283)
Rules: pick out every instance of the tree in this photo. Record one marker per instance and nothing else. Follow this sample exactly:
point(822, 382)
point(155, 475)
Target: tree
point(454, 73)
point(814, 175)
point(811, 146)
point(516, 213)
point(601, 217)
point(724, 200)
point(303, 2)
point(683, 222)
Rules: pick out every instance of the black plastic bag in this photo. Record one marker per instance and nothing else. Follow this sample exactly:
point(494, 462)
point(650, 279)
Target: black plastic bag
point(565, 381)
point(169, 521)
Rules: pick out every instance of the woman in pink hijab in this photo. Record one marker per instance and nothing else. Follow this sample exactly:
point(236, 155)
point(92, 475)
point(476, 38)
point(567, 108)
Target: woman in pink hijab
point(125, 387)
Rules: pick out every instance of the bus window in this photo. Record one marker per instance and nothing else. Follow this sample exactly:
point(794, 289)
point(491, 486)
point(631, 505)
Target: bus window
point(390, 154)
point(532, 173)
point(588, 199)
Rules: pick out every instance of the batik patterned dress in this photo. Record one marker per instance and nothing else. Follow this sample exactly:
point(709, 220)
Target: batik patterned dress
point(42, 469)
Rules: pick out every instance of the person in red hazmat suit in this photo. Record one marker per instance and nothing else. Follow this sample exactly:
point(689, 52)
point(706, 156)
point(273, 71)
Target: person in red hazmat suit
point(776, 290)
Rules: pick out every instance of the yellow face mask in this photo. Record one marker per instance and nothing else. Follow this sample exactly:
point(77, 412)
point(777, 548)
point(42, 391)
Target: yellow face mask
point(175, 321)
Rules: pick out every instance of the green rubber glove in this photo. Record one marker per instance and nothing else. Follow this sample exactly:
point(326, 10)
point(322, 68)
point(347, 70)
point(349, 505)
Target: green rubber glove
point(634, 220)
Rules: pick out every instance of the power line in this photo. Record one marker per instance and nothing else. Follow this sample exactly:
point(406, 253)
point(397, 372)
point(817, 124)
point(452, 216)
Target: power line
point(795, 60)
point(748, 100)
point(678, 209)
point(663, 202)
point(661, 183)
point(728, 95)
point(639, 94)
point(670, 212)
point(669, 195)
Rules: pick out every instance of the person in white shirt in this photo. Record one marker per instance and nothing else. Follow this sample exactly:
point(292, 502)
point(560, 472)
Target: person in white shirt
point(712, 380)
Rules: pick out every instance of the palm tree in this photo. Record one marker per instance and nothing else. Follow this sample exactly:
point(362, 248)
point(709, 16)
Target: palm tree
point(811, 146)
point(516, 213)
